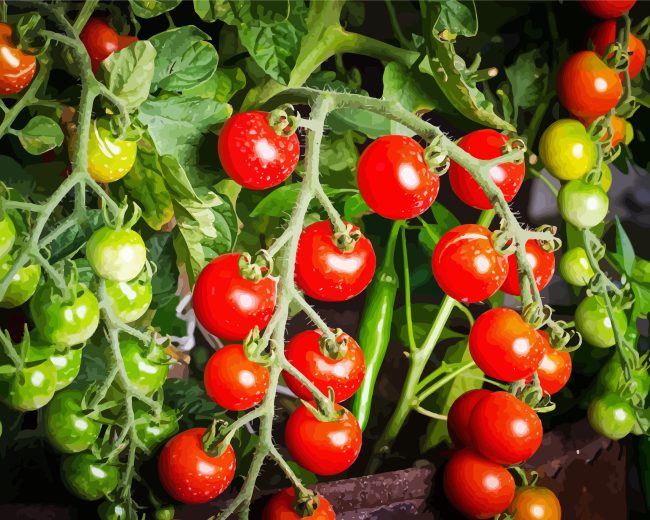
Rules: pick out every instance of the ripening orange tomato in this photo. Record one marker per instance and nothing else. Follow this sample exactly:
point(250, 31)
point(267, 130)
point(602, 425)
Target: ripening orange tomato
point(17, 69)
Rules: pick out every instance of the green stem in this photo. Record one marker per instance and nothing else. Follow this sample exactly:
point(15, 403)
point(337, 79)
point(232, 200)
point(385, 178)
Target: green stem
point(407, 294)
point(442, 382)
point(394, 22)
point(431, 415)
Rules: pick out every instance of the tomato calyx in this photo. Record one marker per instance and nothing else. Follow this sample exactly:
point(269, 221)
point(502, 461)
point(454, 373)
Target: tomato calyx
point(515, 145)
point(256, 350)
point(436, 157)
point(255, 269)
point(532, 394)
point(120, 222)
point(325, 410)
point(306, 503)
point(334, 346)
point(284, 120)
point(346, 240)
point(213, 438)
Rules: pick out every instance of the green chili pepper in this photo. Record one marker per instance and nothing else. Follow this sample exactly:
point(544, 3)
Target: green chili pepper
point(374, 332)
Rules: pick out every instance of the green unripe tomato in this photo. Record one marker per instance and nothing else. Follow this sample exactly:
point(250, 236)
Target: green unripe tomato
point(566, 150)
point(116, 254)
point(65, 322)
point(594, 324)
point(30, 388)
point(153, 431)
point(7, 235)
point(612, 379)
point(23, 284)
point(130, 300)
point(611, 416)
point(146, 368)
point(164, 513)
point(67, 427)
point(67, 364)
point(112, 511)
point(87, 477)
point(575, 267)
point(582, 205)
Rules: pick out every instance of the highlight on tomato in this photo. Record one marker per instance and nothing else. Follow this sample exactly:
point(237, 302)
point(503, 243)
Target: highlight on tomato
point(504, 346)
point(586, 86)
point(535, 503)
point(466, 265)
point(542, 263)
point(582, 204)
point(485, 144)
point(555, 367)
point(328, 363)
point(253, 154)
point(567, 151)
point(17, 68)
point(394, 179)
point(333, 266)
point(594, 323)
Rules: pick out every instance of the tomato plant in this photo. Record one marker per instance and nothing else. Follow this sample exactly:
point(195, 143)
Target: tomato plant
point(255, 231)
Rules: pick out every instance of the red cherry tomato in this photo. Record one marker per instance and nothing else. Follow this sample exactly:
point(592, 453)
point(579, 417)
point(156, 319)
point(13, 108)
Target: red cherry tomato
point(586, 86)
point(485, 144)
point(607, 8)
point(477, 487)
point(327, 273)
point(189, 474)
point(233, 381)
point(542, 263)
point(229, 305)
point(603, 34)
point(466, 265)
point(125, 40)
point(394, 179)
point(343, 375)
point(554, 369)
point(459, 415)
point(280, 507)
point(17, 69)
point(253, 155)
point(100, 40)
point(504, 346)
point(324, 448)
point(504, 429)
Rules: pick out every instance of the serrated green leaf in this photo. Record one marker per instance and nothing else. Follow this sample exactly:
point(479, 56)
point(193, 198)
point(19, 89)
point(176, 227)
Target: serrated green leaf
point(177, 180)
point(146, 185)
point(457, 17)
point(527, 81)
point(624, 248)
point(152, 8)
point(176, 124)
point(410, 88)
point(40, 134)
point(128, 73)
point(213, 10)
point(221, 86)
point(184, 59)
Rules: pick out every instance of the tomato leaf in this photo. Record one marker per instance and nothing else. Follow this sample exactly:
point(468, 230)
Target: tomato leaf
point(184, 59)
point(279, 202)
point(211, 10)
point(354, 208)
point(40, 134)
point(128, 73)
point(275, 48)
point(528, 81)
point(152, 8)
point(145, 184)
point(457, 17)
point(176, 123)
point(624, 248)
point(430, 234)
point(160, 251)
point(75, 237)
point(221, 86)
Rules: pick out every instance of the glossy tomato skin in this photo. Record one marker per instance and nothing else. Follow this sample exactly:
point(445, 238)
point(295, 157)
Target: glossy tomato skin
point(505, 430)
point(109, 158)
point(541, 262)
point(153, 431)
point(146, 368)
point(459, 416)
point(67, 426)
point(566, 149)
point(343, 375)
point(554, 369)
point(280, 507)
point(477, 487)
point(394, 178)
point(189, 474)
point(87, 477)
point(504, 346)
point(22, 286)
point(611, 416)
point(324, 448)
point(575, 267)
point(31, 388)
point(594, 324)
point(325, 272)
point(582, 204)
point(466, 265)
point(253, 155)
point(607, 8)
point(603, 34)
point(233, 381)
point(100, 40)
point(229, 305)
point(17, 69)
point(7, 235)
point(130, 300)
point(586, 86)
point(485, 144)
point(116, 254)
point(535, 503)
